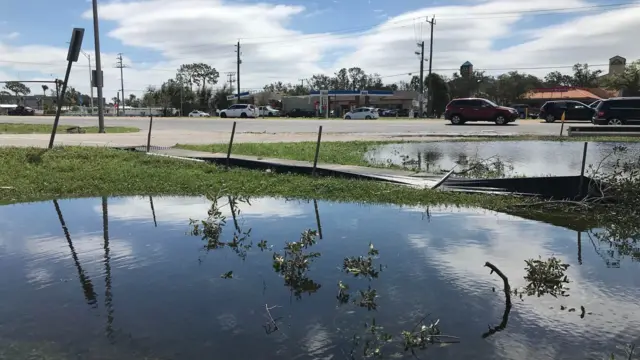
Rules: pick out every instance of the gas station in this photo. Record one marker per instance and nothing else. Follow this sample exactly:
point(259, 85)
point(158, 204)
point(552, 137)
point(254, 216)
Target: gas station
point(346, 100)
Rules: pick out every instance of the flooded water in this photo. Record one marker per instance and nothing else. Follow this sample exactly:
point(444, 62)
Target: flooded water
point(123, 278)
point(528, 158)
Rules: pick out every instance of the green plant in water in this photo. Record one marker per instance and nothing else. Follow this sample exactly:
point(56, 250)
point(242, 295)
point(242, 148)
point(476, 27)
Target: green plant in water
point(546, 277)
point(294, 263)
point(373, 341)
point(363, 266)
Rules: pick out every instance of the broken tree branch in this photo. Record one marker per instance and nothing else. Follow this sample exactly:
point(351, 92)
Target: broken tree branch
point(507, 300)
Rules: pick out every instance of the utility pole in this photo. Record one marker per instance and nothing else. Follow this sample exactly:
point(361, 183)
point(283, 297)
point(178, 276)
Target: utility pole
point(302, 83)
point(238, 61)
point(98, 80)
point(421, 54)
point(120, 65)
point(430, 88)
point(88, 56)
point(231, 78)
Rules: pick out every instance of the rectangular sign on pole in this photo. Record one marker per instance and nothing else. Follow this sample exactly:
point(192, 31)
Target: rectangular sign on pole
point(75, 44)
point(95, 80)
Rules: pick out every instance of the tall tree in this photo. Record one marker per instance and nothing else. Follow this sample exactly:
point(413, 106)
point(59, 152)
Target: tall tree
point(17, 88)
point(440, 92)
point(627, 81)
point(585, 77)
point(556, 78)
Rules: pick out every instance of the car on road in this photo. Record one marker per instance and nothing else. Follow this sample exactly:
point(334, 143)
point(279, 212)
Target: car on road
point(573, 110)
point(296, 112)
point(21, 111)
point(618, 111)
point(198, 113)
point(268, 111)
point(240, 111)
point(460, 111)
point(367, 113)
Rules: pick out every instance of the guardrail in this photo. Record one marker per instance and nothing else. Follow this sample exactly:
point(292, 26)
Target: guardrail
point(603, 130)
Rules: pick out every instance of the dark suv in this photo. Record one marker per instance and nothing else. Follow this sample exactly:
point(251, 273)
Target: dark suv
point(618, 111)
point(460, 111)
point(574, 110)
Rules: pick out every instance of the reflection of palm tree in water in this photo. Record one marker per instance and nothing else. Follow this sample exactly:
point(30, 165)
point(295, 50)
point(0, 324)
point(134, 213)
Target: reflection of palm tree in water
point(85, 281)
point(108, 296)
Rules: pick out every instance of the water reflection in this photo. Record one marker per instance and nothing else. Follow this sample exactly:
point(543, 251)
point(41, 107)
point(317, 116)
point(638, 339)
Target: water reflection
point(171, 305)
point(530, 158)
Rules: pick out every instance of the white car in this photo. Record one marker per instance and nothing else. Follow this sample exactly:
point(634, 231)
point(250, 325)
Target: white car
point(268, 111)
point(197, 113)
point(240, 110)
point(367, 113)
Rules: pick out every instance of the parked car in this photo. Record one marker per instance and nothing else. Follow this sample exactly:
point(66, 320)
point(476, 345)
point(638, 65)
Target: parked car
point(198, 113)
point(388, 112)
point(21, 111)
point(268, 111)
point(460, 111)
point(574, 110)
point(524, 111)
point(301, 113)
point(367, 113)
point(618, 111)
point(595, 104)
point(240, 110)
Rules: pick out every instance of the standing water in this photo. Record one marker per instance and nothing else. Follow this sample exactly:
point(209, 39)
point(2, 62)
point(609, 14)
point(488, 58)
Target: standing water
point(130, 278)
point(528, 158)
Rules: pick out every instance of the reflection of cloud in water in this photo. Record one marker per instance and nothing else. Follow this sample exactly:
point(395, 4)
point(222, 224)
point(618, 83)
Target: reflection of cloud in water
point(317, 342)
point(532, 158)
point(510, 241)
point(181, 209)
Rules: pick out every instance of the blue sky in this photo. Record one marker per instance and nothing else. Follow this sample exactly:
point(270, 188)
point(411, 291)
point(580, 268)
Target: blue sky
point(156, 36)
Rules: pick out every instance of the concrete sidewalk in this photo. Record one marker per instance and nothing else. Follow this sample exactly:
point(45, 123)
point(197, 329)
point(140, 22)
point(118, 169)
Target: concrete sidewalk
point(171, 138)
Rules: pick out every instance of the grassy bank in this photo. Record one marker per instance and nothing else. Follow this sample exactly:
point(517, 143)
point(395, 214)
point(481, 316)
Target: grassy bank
point(34, 174)
point(46, 129)
point(352, 152)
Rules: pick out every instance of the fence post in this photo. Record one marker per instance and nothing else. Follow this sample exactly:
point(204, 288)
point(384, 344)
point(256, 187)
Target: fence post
point(233, 133)
point(584, 162)
point(149, 135)
point(315, 160)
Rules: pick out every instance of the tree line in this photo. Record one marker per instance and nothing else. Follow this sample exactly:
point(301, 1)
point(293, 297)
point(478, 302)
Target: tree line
point(192, 87)
point(504, 89)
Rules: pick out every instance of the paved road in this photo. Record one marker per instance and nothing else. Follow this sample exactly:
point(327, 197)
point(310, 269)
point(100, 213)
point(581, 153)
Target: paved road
point(381, 126)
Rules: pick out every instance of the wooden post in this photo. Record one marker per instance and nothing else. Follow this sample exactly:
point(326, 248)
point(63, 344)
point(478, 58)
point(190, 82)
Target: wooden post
point(315, 160)
point(584, 162)
point(562, 120)
point(149, 135)
point(233, 133)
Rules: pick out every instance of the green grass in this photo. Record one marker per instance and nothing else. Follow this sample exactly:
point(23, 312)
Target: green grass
point(46, 129)
point(352, 152)
point(31, 174)
point(335, 152)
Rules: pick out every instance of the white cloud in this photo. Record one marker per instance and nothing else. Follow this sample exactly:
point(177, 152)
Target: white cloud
point(11, 35)
point(178, 210)
point(207, 30)
point(510, 241)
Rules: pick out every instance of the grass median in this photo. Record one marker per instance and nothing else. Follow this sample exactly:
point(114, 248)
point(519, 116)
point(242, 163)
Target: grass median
point(31, 174)
point(353, 152)
point(46, 129)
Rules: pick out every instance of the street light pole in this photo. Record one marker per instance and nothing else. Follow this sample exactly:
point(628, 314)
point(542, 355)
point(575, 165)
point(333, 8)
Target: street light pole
point(88, 56)
point(98, 80)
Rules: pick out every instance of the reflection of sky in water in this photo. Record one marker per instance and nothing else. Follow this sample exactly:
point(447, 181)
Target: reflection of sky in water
point(168, 300)
point(530, 158)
